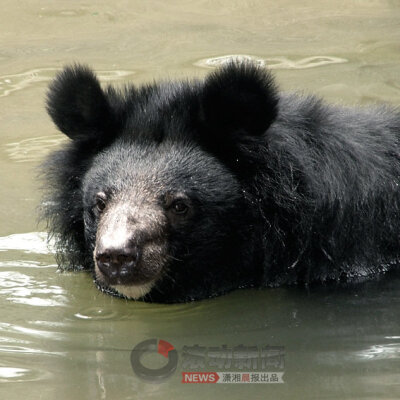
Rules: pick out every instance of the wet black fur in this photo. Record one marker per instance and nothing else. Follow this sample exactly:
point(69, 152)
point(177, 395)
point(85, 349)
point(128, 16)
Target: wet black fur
point(314, 188)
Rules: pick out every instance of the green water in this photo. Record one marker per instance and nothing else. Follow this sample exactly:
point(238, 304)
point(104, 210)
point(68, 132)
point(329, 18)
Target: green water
point(62, 339)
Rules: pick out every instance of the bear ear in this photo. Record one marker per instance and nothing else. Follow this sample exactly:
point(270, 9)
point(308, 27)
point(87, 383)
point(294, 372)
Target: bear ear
point(239, 98)
point(78, 105)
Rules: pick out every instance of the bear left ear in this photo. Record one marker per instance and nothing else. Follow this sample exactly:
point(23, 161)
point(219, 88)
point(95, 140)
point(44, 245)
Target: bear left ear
point(78, 105)
point(240, 98)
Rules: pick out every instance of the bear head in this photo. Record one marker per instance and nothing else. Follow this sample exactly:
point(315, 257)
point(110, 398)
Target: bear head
point(151, 192)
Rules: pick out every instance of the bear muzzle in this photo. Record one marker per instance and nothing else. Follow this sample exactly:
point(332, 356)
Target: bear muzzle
point(119, 265)
point(131, 249)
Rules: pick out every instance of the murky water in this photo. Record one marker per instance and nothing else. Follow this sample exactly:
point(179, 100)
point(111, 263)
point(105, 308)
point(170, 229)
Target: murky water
point(60, 337)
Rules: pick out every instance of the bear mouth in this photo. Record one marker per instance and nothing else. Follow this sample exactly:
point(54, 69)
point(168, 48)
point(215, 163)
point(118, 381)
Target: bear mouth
point(129, 289)
point(132, 292)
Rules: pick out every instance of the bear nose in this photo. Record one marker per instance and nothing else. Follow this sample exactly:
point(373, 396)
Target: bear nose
point(117, 265)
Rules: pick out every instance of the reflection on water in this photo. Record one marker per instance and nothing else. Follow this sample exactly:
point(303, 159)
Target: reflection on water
point(24, 263)
point(33, 149)
point(62, 338)
point(12, 372)
point(381, 352)
point(272, 62)
point(33, 242)
point(14, 82)
point(9, 374)
point(23, 289)
point(95, 313)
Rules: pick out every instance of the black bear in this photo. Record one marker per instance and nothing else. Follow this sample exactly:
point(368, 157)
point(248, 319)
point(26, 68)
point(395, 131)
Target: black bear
point(177, 191)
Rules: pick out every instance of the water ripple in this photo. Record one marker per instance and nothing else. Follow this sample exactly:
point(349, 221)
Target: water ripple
point(272, 62)
point(33, 242)
point(96, 313)
point(13, 82)
point(381, 352)
point(21, 288)
point(25, 264)
point(33, 149)
point(14, 374)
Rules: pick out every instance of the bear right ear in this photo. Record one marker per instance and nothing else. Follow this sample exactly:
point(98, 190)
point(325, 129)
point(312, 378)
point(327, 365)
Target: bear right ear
point(78, 105)
point(240, 97)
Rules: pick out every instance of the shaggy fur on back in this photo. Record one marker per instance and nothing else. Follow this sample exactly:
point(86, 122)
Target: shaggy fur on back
point(315, 187)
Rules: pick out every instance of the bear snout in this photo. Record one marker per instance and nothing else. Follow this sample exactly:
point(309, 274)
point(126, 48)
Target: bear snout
point(118, 265)
point(131, 248)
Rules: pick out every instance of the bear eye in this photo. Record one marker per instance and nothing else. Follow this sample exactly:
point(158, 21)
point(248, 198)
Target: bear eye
point(101, 201)
point(179, 207)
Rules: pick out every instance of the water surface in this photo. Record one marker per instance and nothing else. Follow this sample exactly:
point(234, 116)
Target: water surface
point(59, 336)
